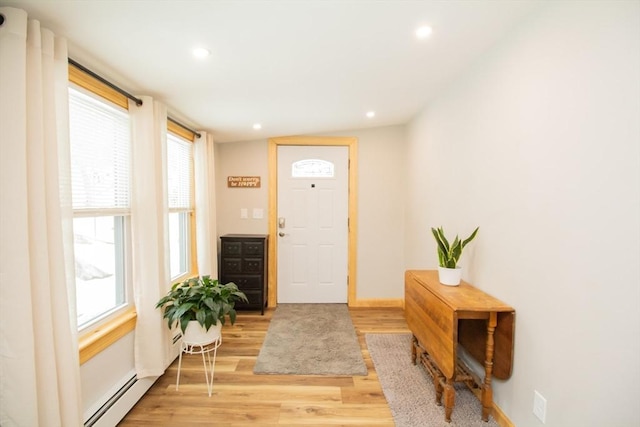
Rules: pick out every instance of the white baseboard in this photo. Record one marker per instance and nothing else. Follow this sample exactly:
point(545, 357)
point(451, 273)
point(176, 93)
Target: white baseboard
point(116, 412)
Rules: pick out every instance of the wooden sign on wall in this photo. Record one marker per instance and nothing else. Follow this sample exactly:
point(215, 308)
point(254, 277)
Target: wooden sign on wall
point(243, 181)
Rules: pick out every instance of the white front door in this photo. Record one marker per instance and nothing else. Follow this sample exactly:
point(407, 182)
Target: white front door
point(313, 193)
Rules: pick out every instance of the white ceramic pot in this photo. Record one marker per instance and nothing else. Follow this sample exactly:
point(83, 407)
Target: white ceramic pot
point(195, 333)
point(450, 276)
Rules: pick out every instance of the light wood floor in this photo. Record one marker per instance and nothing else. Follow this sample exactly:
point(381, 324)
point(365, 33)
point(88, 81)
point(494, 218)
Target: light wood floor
point(241, 398)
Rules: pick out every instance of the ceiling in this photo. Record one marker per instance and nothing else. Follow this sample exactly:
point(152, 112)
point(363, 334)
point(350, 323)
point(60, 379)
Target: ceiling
point(295, 67)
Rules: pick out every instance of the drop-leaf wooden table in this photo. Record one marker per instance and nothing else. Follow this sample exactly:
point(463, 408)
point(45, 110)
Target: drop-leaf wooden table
point(443, 317)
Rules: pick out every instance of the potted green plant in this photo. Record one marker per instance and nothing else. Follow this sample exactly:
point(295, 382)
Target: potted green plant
point(449, 272)
point(199, 305)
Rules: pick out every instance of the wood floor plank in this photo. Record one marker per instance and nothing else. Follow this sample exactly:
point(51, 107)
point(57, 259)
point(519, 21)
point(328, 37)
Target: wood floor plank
point(363, 396)
point(276, 393)
point(345, 414)
point(250, 379)
point(241, 398)
point(213, 414)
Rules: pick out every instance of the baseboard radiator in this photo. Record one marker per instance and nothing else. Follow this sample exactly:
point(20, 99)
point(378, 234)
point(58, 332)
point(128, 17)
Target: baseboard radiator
point(121, 402)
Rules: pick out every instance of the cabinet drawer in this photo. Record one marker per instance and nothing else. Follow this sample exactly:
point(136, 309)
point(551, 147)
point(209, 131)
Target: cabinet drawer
point(252, 248)
point(231, 265)
point(246, 282)
point(231, 248)
point(252, 265)
point(255, 300)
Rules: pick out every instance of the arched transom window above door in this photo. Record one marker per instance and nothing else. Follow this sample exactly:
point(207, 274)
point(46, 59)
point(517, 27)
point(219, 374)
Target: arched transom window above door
point(312, 168)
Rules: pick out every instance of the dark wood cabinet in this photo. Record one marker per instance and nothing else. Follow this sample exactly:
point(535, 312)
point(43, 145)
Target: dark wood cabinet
point(243, 261)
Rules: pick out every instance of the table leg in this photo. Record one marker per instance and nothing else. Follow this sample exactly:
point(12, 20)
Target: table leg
point(487, 391)
point(438, 380)
point(414, 346)
point(449, 399)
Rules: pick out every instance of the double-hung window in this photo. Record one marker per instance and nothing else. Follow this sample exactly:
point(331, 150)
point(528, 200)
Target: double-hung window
point(100, 167)
point(180, 195)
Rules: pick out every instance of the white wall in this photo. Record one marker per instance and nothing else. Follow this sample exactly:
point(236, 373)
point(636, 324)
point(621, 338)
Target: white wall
point(539, 144)
point(241, 159)
point(380, 203)
point(105, 373)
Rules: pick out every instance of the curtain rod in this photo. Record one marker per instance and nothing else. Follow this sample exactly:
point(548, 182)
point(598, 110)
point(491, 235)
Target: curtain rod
point(183, 126)
point(138, 101)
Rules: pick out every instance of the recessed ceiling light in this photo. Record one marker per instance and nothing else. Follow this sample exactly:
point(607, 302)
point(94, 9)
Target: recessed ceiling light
point(423, 32)
point(371, 114)
point(201, 52)
point(257, 126)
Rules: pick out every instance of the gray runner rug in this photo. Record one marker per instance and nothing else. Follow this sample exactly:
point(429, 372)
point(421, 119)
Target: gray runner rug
point(311, 339)
point(409, 389)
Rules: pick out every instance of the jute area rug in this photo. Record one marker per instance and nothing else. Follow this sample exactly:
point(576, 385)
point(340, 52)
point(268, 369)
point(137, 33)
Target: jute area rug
point(409, 390)
point(311, 339)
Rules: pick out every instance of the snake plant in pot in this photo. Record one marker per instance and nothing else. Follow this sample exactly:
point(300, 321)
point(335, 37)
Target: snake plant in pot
point(199, 305)
point(449, 272)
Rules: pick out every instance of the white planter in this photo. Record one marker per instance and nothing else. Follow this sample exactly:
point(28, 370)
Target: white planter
point(450, 276)
point(195, 333)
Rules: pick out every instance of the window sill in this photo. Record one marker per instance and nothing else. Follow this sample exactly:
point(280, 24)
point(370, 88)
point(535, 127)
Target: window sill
point(98, 339)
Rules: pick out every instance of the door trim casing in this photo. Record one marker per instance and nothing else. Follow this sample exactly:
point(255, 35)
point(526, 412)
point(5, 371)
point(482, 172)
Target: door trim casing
point(352, 241)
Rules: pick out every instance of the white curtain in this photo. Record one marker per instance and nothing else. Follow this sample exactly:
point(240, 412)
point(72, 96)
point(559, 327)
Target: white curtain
point(205, 198)
point(39, 362)
point(150, 235)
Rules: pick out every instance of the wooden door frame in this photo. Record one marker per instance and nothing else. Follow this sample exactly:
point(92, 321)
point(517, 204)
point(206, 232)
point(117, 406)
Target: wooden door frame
point(352, 241)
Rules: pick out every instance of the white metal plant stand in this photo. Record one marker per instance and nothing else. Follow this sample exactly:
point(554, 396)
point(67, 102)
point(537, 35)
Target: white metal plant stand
point(205, 349)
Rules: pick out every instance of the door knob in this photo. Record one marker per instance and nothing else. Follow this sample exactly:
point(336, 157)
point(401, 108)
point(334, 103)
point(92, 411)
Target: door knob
point(281, 234)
